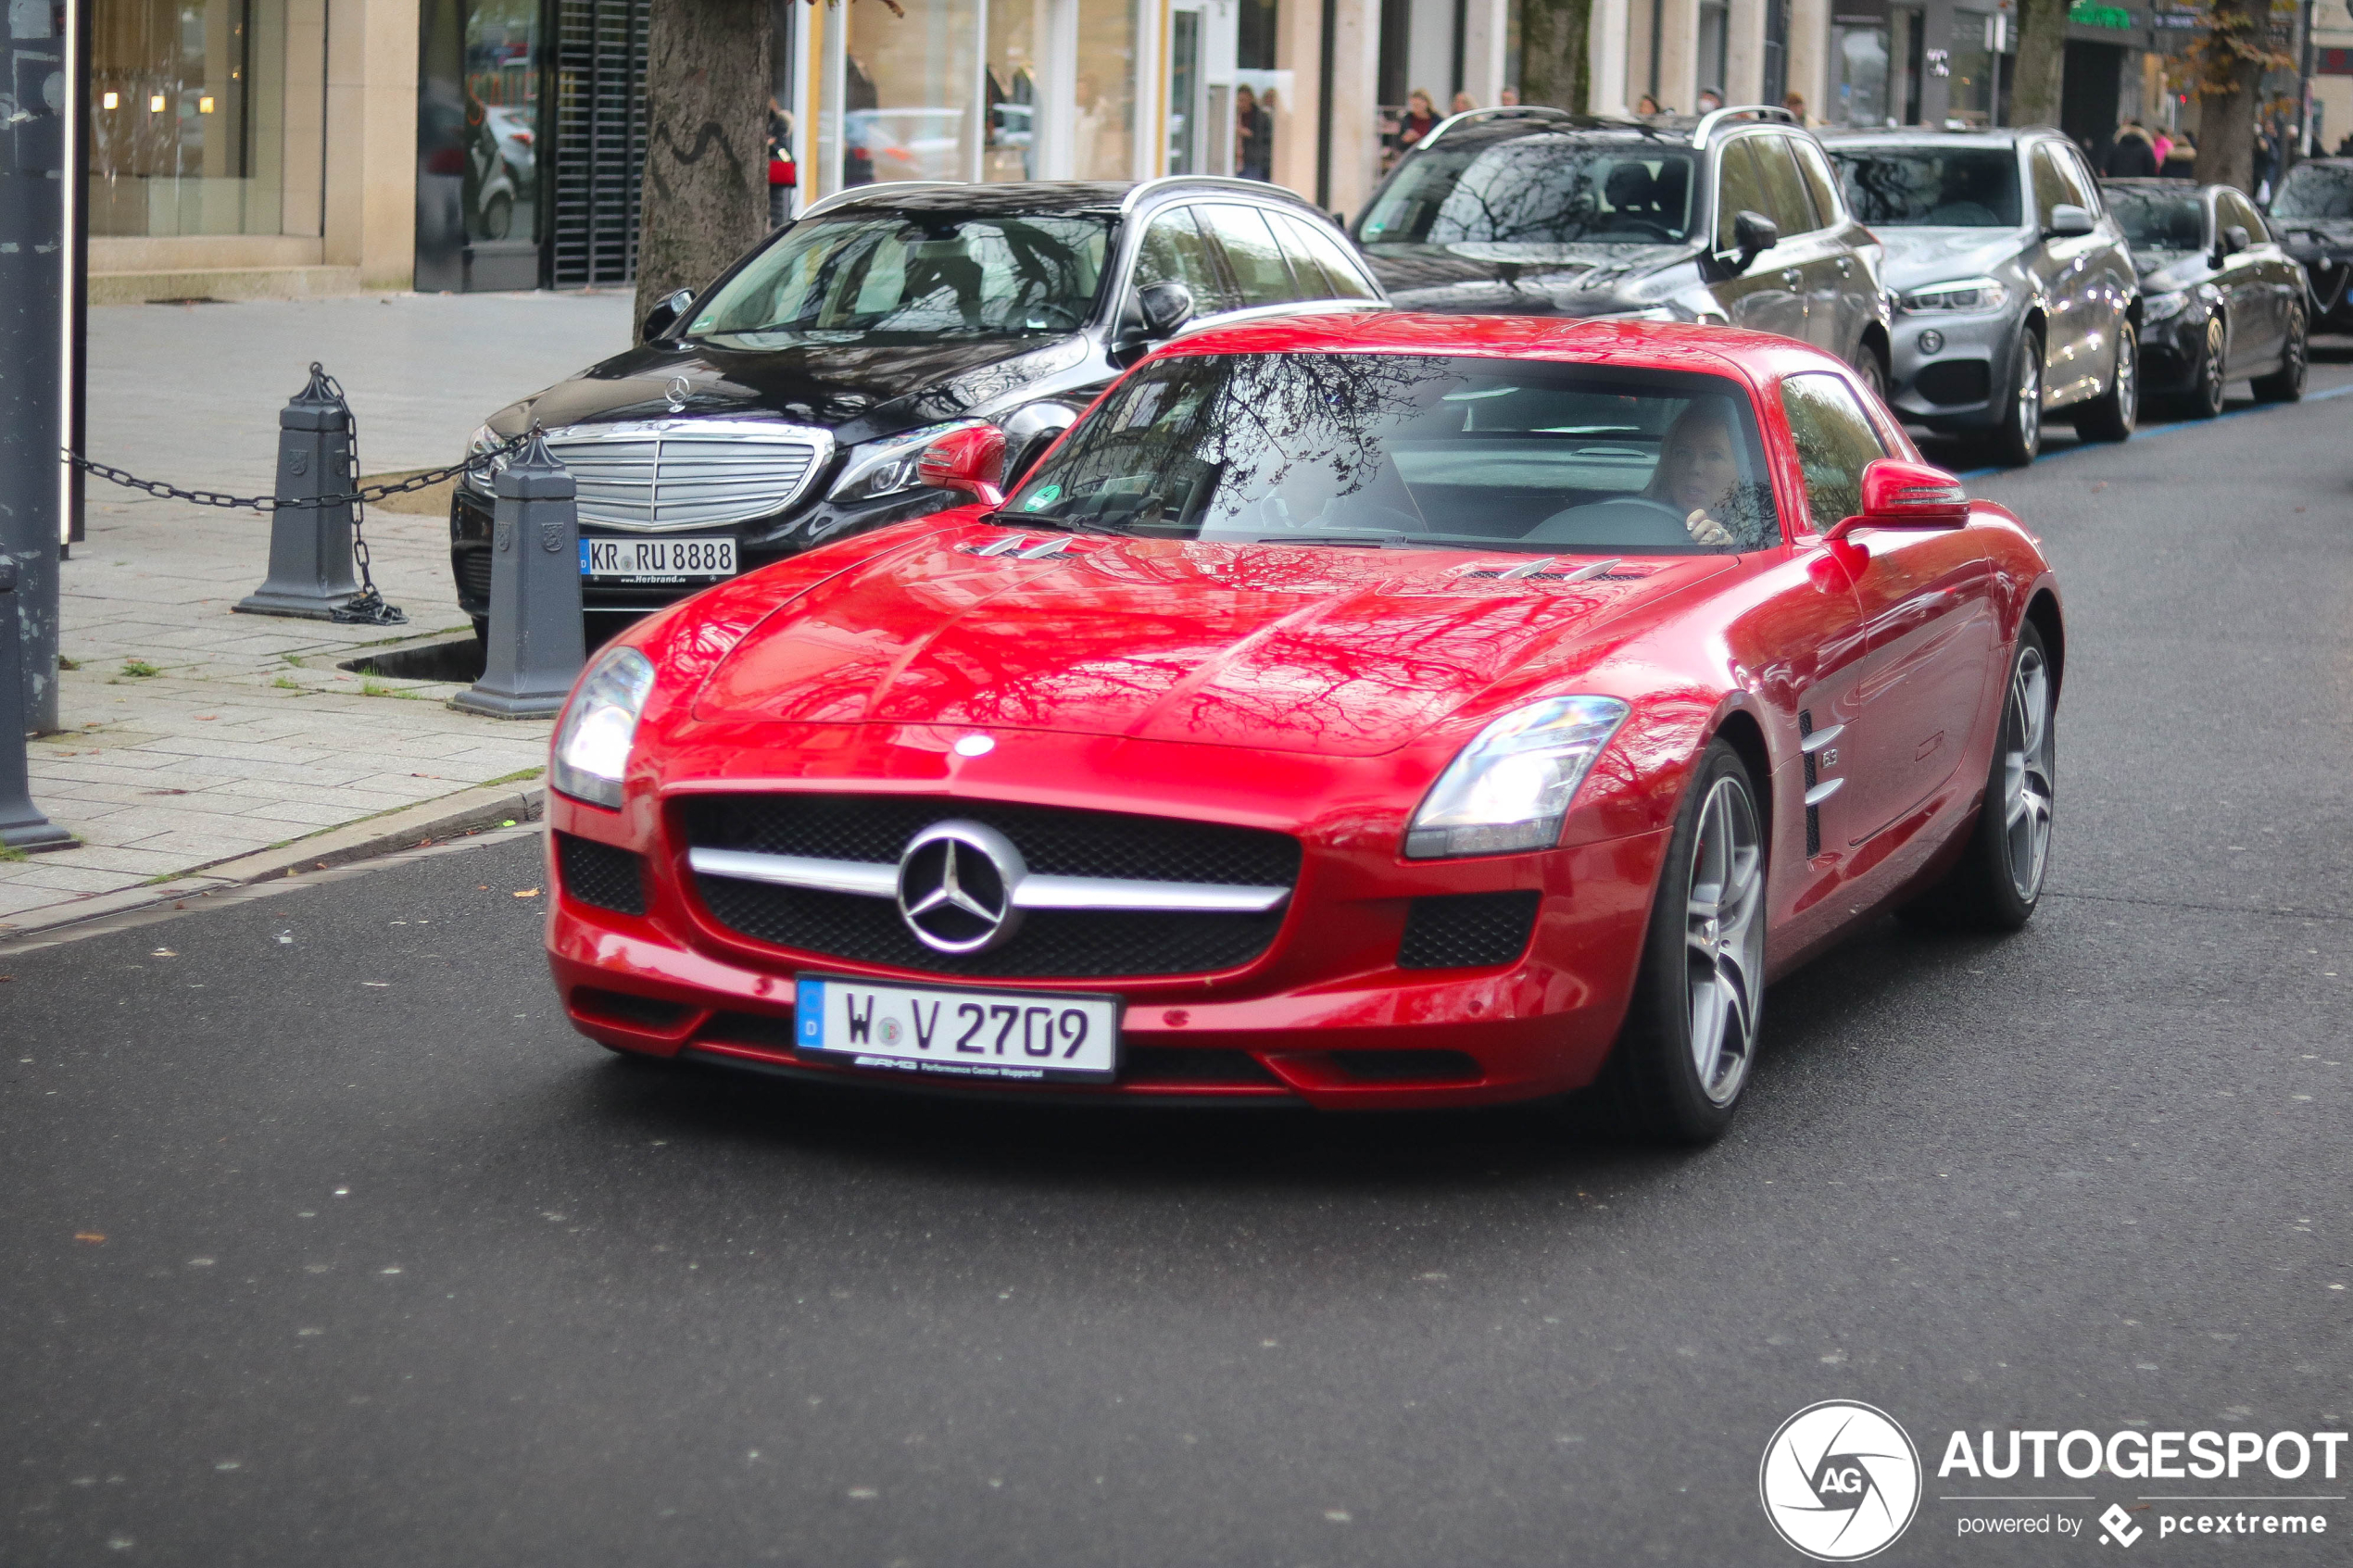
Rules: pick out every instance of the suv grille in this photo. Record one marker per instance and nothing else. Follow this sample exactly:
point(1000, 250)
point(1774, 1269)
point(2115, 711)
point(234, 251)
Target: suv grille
point(659, 480)
point(1052, 944)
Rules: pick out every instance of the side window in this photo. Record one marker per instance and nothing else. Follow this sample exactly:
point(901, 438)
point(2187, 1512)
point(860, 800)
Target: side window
point(1739, 188)
point(1175, 252)
point(1317, 252)
point(1818, 178)
point(2084, 190)
point(2237, 209)
point(1835, 441)
point(1252, 254)
point(1793, 210)
point(2050, 187)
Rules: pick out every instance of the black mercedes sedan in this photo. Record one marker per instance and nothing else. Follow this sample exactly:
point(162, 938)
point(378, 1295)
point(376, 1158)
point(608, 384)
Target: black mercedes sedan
point(2219, 299)
point(1732, 216)
point(793, 400)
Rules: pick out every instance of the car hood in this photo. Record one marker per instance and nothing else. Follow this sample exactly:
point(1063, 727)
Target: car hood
point(1309, 649)
point(1916, 257)
point(859, 392)
point(2332, 230)
point(1519, 280)
point(2164, 269)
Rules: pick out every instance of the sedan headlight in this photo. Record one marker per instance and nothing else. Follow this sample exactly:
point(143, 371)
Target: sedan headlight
point(1509, 788)
point(479, 480)
point(2164, 306)
point(886, 468)
point(591, 749)
point(1964, 294)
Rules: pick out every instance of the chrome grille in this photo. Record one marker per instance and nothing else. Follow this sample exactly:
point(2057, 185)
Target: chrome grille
point(676, 474)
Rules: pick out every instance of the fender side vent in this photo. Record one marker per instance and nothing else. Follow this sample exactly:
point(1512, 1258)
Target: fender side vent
point(1813, 814)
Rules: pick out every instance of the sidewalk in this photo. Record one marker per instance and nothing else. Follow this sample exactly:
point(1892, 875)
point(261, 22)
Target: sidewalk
point(195, 740)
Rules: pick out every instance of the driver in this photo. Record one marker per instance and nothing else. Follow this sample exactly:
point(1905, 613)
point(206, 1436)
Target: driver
point(1699, 468)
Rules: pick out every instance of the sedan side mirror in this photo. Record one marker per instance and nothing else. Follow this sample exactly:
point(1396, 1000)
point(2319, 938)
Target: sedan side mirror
point(1166, 306)
point(1901, 494)
point(2069, 222)
point(666, 314)
point(2235, 240)
point(1754, 235)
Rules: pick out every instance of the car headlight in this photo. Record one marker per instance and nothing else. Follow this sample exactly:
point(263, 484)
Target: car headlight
point(886, 468)
point(1509, 788)
point(2164, 306)
point(591, 748)
point(1963, 295)
point(479, 480)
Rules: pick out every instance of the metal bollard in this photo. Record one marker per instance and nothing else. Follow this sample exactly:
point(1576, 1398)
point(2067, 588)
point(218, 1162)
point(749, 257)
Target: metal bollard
point(21, 824)
point(535, 648)
point(311, 570)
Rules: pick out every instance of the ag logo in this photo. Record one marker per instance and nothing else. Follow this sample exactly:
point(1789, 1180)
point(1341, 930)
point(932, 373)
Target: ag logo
point(1840, 1481)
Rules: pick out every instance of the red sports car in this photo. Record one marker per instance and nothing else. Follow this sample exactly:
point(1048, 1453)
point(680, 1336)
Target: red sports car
point(1356, 711)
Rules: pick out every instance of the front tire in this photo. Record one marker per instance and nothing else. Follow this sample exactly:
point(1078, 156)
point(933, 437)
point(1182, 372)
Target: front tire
point(1683, 1057)
point(1872, 370)
point(1997, 884)
point(2019, 440)
point(2286, 383)
point(2205, 399)
point(2111, 415)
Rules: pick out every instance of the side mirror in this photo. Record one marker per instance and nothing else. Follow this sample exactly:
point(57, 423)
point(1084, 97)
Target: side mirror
point(1754, 235)
point(665, 315)
point(1901, 494)
point(971, 459)
point(2235, 240)
point(1165, 307)
point(2069, 222)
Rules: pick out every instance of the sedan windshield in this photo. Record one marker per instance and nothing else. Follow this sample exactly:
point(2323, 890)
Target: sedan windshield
point(910, 279)
point(1534, 192)
point(2158, 219)
point(2316, 190)
point(1406, 450)
point(1931, 187)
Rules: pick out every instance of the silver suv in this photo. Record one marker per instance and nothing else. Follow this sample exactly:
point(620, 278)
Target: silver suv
point(2015, 290)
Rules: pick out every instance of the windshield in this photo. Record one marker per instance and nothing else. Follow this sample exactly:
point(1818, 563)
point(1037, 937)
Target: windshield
point(1934, 187)
point(1414, 450)
point(2158, 219)
point(911, 279)
point(1512, 200)
point(2316, 190)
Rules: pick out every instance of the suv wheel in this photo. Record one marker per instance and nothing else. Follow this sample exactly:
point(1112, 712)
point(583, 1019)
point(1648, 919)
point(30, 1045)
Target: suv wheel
point(1872, 371)
point(2019, 440)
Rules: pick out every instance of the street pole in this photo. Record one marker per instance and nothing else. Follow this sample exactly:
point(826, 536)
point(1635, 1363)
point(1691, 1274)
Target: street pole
point(37, 92)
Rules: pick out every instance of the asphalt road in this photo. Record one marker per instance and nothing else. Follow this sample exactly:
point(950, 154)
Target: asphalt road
point(326, 1242)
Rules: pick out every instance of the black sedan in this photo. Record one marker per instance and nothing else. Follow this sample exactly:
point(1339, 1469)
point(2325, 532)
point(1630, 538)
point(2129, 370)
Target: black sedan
point(2219, 299)
point(798, 397)
point(2312, 215)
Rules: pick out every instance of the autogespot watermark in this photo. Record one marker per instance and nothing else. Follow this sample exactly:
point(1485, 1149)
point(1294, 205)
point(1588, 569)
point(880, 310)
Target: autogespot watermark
point(1840, 1481)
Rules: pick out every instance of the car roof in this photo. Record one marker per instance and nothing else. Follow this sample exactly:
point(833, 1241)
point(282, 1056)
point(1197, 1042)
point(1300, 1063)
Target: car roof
point(1097, 197)
point(1759, 358)
point(1920, 137)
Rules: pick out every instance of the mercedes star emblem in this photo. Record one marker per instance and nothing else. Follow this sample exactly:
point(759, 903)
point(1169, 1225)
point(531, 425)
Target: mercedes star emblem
point(956, 882)
point(676, 394)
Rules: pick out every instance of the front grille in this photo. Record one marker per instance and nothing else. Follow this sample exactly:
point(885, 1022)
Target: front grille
point(601, 875)
point(1956, 380)
point(1467, 930)
point(660, 480)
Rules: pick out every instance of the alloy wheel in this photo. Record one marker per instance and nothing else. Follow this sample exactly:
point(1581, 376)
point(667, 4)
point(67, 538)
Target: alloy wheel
point(2128, 377)
point(2030, 400)
point(2210, 367)
point(1724, 939)
point(2028, 787)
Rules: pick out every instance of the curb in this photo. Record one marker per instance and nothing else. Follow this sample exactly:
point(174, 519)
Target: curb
point(469, 810)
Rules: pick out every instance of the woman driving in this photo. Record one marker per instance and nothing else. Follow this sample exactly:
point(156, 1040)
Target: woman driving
point(1699, 469)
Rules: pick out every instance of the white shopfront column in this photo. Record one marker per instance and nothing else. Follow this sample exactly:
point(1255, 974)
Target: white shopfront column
point(1605, 46)
point(1486, 35)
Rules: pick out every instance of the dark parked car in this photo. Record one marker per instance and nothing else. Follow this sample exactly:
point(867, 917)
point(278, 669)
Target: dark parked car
point(795, 399)
point(2014, 289)
point(1734, 216)
point(2218, 297)
point(2313, 215)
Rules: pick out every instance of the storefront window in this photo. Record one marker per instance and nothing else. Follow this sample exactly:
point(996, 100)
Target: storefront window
point(1011, 149)
point(1980, 86)
point(1862, 76)
point(479, 157)
point(1103, 123)
point(908, 99)
point(205, 117)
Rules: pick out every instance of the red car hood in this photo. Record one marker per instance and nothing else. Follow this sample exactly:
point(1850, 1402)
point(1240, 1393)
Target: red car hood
point(1339, 651)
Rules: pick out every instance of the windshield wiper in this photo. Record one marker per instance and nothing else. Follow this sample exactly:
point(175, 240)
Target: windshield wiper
point(1357, 541)
point(1043, 520)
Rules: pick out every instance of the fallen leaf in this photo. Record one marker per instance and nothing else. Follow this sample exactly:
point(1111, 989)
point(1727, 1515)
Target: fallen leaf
point(207, 718)
point(163, 953)
point(526, 893)
point(89, 1235)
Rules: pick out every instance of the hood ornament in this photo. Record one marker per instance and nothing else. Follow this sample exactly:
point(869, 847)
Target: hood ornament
point(675, 394)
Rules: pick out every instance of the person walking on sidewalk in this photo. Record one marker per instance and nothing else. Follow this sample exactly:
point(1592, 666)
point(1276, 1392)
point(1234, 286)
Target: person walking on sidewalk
point(2133, 156)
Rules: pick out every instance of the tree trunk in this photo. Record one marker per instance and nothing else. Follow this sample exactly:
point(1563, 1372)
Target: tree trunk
point(1554, 67)
point(2231, 55)
point(2040, 70)
point(706, 190)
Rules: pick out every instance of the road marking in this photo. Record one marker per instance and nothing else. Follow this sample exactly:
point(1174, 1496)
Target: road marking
point(2152, 434)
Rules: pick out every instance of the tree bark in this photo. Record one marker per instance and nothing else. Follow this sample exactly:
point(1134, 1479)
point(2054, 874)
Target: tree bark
point(2041, 62)
point(1554, 66)
point(2231, 55)
point(706, 187)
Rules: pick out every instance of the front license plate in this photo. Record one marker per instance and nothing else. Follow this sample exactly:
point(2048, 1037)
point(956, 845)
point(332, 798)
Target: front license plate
point(1030, 1035)
point(641, 558)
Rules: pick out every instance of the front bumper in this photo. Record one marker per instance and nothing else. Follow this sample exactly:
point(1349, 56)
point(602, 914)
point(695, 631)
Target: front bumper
point(2328, 268)
point(1323, 1017)
point(1962, 384)
point(2172, 350)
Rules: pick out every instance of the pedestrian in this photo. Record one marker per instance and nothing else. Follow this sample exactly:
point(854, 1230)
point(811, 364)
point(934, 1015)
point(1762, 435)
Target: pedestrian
point(1253, 136)
point(1647, 106)
point(1463, 104)
point(782, 175)
point(1795, 103)
point(1510, 98)
point(2131, 155)
point(2345, 148)
point(2163, 145)
point(1710, 100)
point(2181, 158)
point(1418, 120)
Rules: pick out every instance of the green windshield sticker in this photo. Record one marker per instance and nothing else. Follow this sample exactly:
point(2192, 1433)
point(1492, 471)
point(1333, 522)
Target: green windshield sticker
point(1045, 497)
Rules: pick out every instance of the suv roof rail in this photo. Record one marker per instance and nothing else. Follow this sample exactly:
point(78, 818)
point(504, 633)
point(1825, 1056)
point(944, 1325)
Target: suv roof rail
point(1501, 111)
point(1143, 188)
point(884, 187)
point(1713, 118)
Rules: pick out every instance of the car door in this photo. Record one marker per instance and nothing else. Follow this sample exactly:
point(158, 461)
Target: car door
point(2250, 292)
point(1767, 295)
point(1848, 295)
point(2062, 262)
point(1807, 257)
point(2105, 280)
point(1930, 640)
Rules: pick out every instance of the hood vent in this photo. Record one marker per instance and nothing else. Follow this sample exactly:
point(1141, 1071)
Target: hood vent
point(1541, 571)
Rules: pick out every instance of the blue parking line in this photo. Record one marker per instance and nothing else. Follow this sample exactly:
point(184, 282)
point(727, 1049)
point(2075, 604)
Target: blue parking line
point(2162, 429)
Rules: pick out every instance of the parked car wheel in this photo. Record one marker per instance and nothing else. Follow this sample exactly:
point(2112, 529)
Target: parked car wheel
point(1872, 368)
point(2205, 399)
point(2111, 415)
point(498, 216)
point(2019, 440)
point(1998, 881)
point(1689, 1040)
point(2286, 383)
